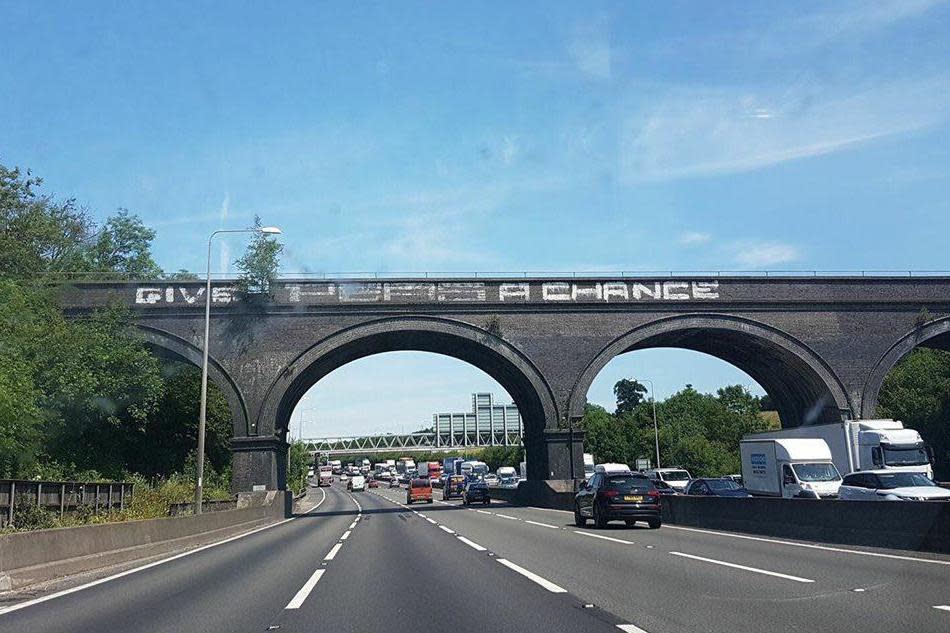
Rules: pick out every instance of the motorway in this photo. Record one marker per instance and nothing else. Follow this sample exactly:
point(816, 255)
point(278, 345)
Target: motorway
point(365, 562)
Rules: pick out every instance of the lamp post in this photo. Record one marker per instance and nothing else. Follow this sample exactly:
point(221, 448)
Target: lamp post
point(656, 430)
point(203, 407)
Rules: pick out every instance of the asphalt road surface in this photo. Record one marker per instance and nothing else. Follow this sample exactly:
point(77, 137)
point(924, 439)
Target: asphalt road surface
point(366, 562)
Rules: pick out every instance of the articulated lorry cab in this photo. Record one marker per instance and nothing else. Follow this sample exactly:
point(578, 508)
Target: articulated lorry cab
point(866, 445)
point(788, 468)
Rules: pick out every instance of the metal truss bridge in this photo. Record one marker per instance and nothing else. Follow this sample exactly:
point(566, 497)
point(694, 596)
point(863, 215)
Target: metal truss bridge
point(409, 442)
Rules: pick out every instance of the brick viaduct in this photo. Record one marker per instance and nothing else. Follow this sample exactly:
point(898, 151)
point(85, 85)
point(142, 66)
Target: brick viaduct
point(820, 346)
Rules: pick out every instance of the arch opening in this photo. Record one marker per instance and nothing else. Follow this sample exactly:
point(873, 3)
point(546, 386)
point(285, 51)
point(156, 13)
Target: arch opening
point(802, 388)
point(477, 347)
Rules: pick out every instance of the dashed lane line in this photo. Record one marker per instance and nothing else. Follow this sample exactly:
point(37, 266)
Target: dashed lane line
point(547, 525)
point(483, 511)
point(506, 516)
point(134, 570)
point(298, 599)
point(475, 546)
point(755, 570)
point(345, 536)
point(432, 521)
point(446, 529)
point(602, 537)
point(630, 628)
point(942, 607)
point(333, 551)
point(544, 582)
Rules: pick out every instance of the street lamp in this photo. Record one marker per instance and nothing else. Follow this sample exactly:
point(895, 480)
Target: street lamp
point(656, 431)
point(203, 409)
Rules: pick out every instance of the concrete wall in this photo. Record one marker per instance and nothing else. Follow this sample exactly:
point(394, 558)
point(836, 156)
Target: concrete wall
point(43, 554)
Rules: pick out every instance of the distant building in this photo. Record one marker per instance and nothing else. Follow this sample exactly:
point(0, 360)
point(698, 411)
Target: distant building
point(487, 424)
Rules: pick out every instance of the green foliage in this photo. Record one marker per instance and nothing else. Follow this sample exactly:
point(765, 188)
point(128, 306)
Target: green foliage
point(298, 462)
point(629, 394)
point(124, 246)
point(917, 392)
point(700, 432)
point(259, 263)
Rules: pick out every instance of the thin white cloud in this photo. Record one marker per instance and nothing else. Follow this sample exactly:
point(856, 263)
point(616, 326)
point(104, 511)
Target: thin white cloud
point(224, 260)
point(692, 238)
point(693, 132)
point(590, 49)
point(859, 18)
point(752, 254)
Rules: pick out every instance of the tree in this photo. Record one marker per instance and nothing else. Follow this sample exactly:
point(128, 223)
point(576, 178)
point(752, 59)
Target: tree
point(124, 245)
point(629, 394)
point(917, 391)
point(298, 462)
point(259, 263)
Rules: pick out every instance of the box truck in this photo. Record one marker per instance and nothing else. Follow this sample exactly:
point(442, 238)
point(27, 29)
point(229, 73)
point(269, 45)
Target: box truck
point(797, 467)
point(865, 445)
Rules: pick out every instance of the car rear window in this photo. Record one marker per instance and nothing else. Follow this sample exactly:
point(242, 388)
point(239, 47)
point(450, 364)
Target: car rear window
point(420, 483)
point(629, 483)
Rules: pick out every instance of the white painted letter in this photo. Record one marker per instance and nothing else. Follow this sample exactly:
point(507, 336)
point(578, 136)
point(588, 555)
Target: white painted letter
point(588, 293)
point(169, 295)
point(474, 291)
point(514, 292)
point(148, 295)
point(705, 290)
point(677, 290)
point(556, 291)
point(637, 289)
point(617, 289)
point(191, 298)
point(222, 295)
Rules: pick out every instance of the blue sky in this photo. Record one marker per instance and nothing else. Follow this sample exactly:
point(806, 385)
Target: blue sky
point(498, 136)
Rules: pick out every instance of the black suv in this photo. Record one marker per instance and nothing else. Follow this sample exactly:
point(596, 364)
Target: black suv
point(628, 497)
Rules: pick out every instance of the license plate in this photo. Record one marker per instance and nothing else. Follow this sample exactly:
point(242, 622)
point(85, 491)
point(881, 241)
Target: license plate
point(634, 498)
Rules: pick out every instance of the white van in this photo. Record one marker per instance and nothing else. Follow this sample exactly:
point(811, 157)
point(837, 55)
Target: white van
point(357, 483)
point(675, 477)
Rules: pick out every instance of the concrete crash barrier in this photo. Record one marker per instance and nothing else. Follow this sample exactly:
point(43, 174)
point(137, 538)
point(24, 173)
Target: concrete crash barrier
point(909, 525)
point(27, 558)
point(557, 494)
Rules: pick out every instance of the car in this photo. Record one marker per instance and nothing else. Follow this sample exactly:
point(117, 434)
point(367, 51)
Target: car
point(357, 483)
point(491, 479)
point(419, 489)
point(393, 483)
point(373, 483)
point(889, 485)
point(476, 491)
point(675, 476)
point(735, 478)
point(715, 487)
point(664, 488)
point(454, 487)
point(617, 495)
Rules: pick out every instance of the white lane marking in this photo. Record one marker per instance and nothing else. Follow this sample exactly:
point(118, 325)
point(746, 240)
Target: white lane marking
point(825, 548)
point(601, 536)
point(422, 515)
point(432, 521)
point(483, 511)
point(333, 550)
point(505, 516)
point(352, 525)
point(345, 536)
point(742, 567)
point(547, 584)
point(547, 525)
point(942, 607)
point(445, 529)
point(308, 586)
point(471, 544)
point(630, 628)
point(134, 570)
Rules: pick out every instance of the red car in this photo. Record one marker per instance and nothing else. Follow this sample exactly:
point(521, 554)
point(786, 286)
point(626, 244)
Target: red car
point(373, 483)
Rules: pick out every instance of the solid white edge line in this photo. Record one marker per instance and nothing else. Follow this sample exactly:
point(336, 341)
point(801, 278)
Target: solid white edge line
point(547, 525)
point(942, 607)
point(298, 599)
point(134, 570)
point(544, 582)
point(445, 529)
point(345, 536)
point(630, 628)
point(333, 551)
point(826, 548)
point(606, 538)
point(471, 544)
point(505, 516)
point(742, 567)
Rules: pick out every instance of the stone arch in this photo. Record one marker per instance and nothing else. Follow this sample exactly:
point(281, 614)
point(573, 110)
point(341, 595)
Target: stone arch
point(496, 357)
point(935, 334)
point(173, 347)
point(803, 387)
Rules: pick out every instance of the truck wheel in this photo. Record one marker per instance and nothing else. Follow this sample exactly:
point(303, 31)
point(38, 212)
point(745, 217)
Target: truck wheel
point(579, 521)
